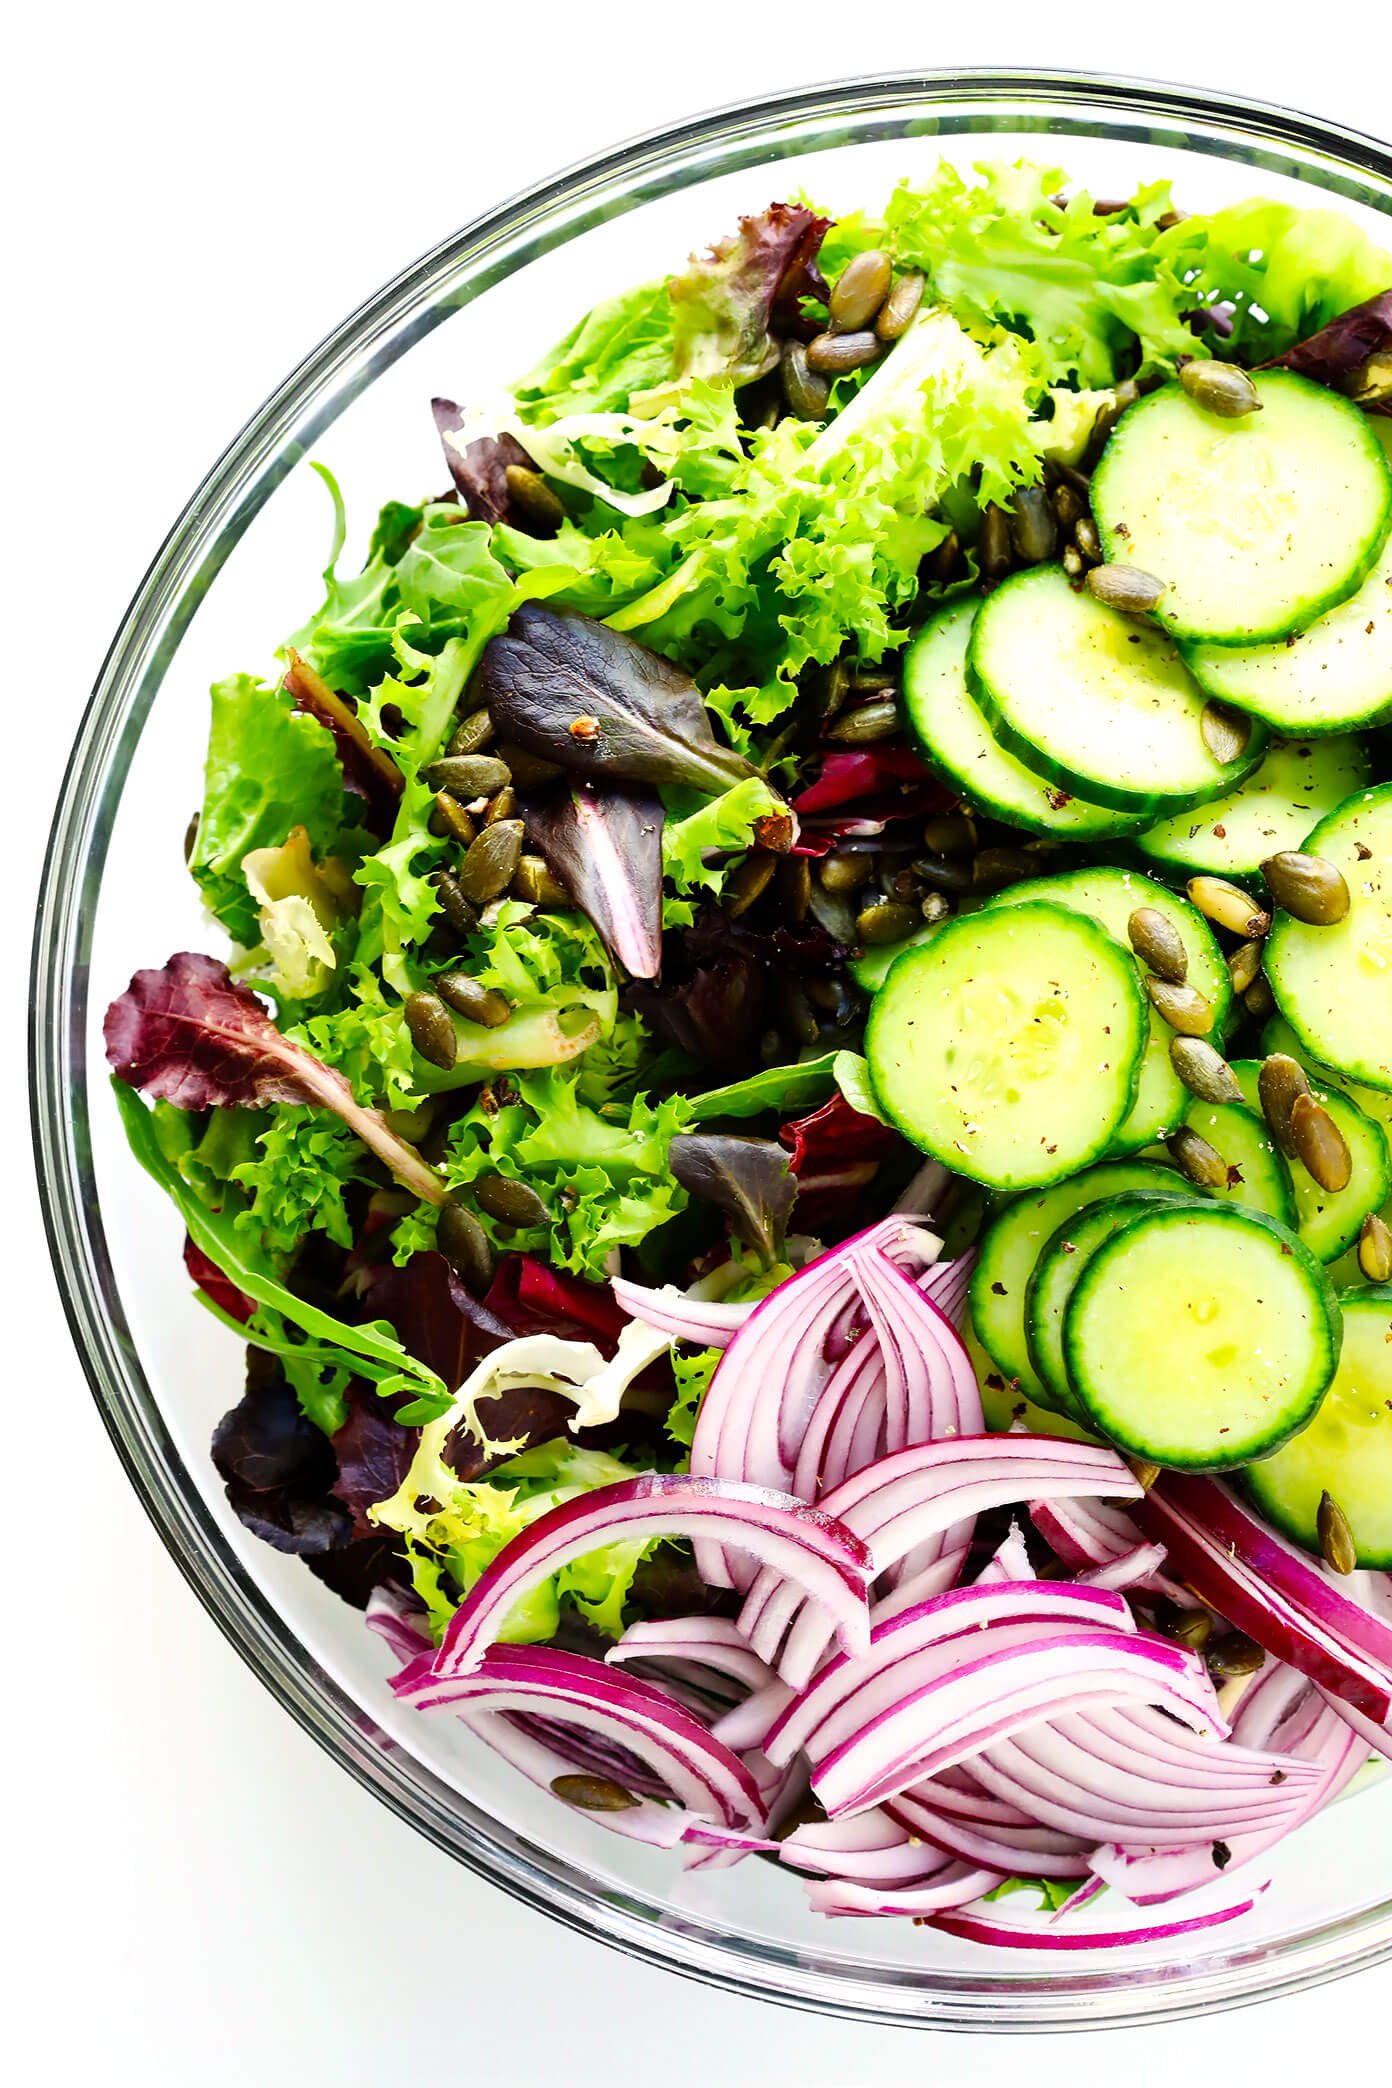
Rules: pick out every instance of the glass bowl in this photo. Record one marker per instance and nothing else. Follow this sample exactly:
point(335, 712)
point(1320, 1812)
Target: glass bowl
point(235, 574)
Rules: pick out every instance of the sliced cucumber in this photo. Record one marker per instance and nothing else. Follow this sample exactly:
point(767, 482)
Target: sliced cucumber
point(1256, 525)
point(1328, 1220)
point(1258, 1177)
point(954, 738)
point(1101, 703)
point(1299, 782)
point(1335, 673)
point(1010, 1247)
point(1201, 1337)
point(870, 967)
point(1347, 1449)
point(1111, 896)
point(1061, 1262)
point(1003, 1404)
point(1334, 984)
point(1008, 1046)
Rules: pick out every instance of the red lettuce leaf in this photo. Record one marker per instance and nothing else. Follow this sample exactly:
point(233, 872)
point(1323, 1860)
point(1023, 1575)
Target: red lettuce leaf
point(723, 303)
point(599, 704)
point(374, 1454)
point(605, 846)
point(435, 1317)
point(210, 1279)
point(716, 1014)
point(531, 1298)
point(1352, 354)
point(188, 1034)
point(367, 772)
point(749, 1179)
point(278, 1468)
point(835, 1154)
point(479, 471)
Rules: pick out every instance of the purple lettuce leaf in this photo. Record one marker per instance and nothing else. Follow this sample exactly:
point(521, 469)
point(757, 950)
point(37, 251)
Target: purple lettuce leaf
point(605, 846)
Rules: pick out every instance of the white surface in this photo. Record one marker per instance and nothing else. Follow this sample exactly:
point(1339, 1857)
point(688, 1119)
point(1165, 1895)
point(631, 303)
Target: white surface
point(198, 195)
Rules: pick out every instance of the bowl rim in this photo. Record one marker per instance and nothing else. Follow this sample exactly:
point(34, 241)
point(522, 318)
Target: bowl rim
point(309, 399)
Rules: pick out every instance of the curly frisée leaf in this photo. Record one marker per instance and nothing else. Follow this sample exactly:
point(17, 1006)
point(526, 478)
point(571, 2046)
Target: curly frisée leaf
point(186, 1033)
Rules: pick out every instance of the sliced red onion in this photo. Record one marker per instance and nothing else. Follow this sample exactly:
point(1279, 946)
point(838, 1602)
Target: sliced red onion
point(702, 1773)
point(956, 1885)
point(904, 1506)
point(977, 1828)
point(397, 1617)
point(948, 1284)
point(1092, 1536)
point(659, 1826)
point(1010, 1561)
point(1134, 1569)
point(714, 1642)
point(707, 1322)
point(1269, 1589)
point(809, 1547)
point(1018, 1935)
point(871, 1849)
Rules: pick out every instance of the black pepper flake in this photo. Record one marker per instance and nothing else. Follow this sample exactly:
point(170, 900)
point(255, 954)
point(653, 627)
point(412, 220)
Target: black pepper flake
point(997, 1290)
point(1222, 1855)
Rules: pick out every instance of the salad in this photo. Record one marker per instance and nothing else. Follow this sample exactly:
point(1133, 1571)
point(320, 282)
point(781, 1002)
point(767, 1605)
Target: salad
point(796, 1108)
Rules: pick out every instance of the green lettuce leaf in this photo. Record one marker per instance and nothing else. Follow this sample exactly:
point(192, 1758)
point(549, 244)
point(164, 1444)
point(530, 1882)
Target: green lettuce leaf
point(1288, 271)
point(623, 346)
point(453, 1530)
point(693, 1373)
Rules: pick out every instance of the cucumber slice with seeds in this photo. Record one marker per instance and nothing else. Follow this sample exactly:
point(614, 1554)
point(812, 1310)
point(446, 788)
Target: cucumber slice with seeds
point(1334, 984)
point(1011, 1245)
point(1256, 525)
point(954, 738)
point(1201, 1337)
point(1008, 1046)
point(1299, 782)
point(1347, 1449)
point(1328, 1220)
point(1111, 896)
point(1061, 1262)
point(1099, 703)
point(1258, 1177)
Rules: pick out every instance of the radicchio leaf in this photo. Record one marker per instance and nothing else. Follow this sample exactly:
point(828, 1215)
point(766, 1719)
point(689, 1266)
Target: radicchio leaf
point(278, 1469)
point(187, 1033)
point(367, 771)
point(851, 776)
point(210, 1279)
point(835, 1153)
point(531, 1298)
point(599, 704)
point(746, 1178)
point(435, 1317)
point(480, 469)
point(722, 304)
point(1353, 354)
point(605, 846)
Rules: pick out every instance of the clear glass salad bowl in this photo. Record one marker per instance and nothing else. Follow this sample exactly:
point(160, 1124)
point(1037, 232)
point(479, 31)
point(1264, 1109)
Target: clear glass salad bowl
point(230, 580)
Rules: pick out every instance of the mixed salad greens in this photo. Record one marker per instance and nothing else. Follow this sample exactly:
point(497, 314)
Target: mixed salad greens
point(803, 1059)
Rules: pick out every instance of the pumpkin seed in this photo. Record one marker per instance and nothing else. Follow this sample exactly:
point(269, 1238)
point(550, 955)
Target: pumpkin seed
point(1158, 943)
point(944, 563)
point(900, 308)
point(1125, 588)
point(472, 734)
point(510, 1202)
point(993, 547)
point(951, 833)
point(535, 882)
point(1144, 1471)
point(943, 874)
point(1192, 1628)
point(432, 1029)
point(1204, 1071)
point(1244, 964)
point(1184, 1008)
point(995, 868)
point(795, 886)
point(860, 290)
point(469, 775)
point(482, 1004)
point(1087, 540)
point(191, 838)
point(452, 819)
point(805, 391)
point(1220, 388)
point(503, 806)
point(876, 720)
point(1307, 887)
point(1069, 505)
point(1279, 1082)
point(1335, 1533)
point(490, 862)
point(1198, 1161)
point(845, 873)
point(455, 906)
point(1073, 565)
point(888, 921)
point(795, 1009)
point(533, 498)
point(593, 1793)
point(1227, 906)
point(1033, 526)
point(1225, 732)
point(1259, 1000)
point(747, 881)
point(527, 769)
point(465, 1245)
point(1375, 1249)
point(1106, 418)
point(1319, 1144)
point(833, 354)
point(1231, 1654)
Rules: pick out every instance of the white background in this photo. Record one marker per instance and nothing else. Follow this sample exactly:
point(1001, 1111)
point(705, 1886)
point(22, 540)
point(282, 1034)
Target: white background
point(193, 196)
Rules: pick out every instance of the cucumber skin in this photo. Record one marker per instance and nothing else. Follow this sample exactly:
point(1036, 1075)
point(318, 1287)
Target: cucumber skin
point(1115, 547)
point(1275, 1511)
point(1380, 794)
point(953, 1160)
point(1148, 803)
point(1290, 1426)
